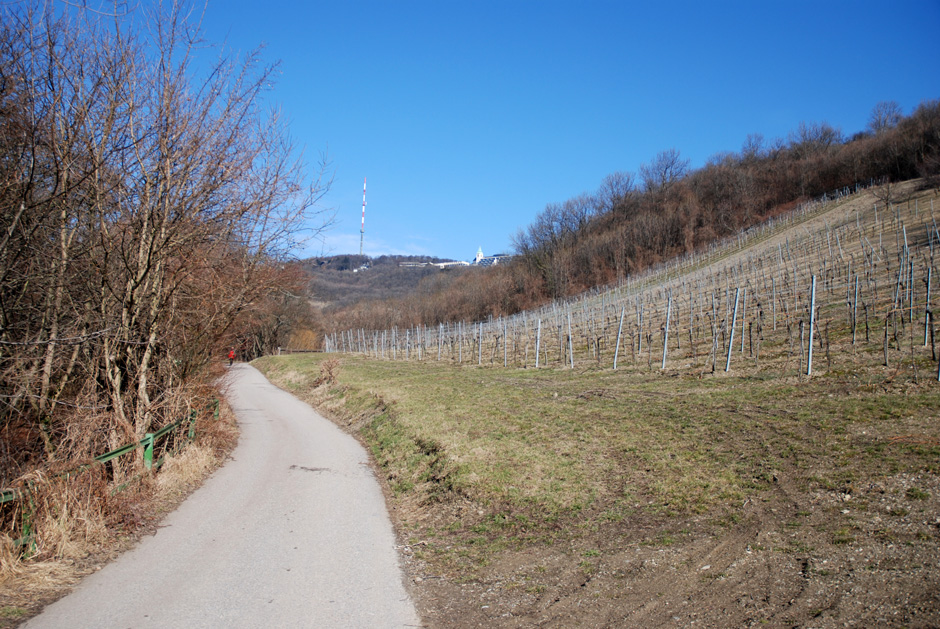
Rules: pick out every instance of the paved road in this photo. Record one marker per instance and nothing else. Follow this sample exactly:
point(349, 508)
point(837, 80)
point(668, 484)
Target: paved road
point(291, 533)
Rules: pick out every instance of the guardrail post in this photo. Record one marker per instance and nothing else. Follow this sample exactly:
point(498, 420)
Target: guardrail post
point(28, 540)
point(147, 442)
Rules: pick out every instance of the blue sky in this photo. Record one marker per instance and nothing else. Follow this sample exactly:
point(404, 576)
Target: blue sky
point(469, 117)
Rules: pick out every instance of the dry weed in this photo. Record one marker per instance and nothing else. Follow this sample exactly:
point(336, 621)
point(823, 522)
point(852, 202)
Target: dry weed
point(9, 557)
point(329, 370)
point(185, 469)
point(71, 514)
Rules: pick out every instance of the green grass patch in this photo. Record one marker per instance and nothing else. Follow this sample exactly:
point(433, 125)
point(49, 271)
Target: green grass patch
point(12, 613)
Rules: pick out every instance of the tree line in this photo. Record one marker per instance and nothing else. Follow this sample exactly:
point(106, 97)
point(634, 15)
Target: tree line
point(149, 199)
point(666, 209)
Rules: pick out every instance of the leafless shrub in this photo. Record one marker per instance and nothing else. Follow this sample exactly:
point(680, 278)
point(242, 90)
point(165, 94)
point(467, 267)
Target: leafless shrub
point(329, 369)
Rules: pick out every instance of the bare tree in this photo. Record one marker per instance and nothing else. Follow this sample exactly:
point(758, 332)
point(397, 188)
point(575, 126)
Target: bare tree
point(814, 138)
point(753, 147)
point(615, 191)
point(143, 212)
point(663, 171)
point(884, 115)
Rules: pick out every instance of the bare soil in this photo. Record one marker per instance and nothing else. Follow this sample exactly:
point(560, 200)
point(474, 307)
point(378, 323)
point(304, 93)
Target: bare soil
point(776, 562)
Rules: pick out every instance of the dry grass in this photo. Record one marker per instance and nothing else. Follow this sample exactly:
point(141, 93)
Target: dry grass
point(83, 520)
point(185, 470)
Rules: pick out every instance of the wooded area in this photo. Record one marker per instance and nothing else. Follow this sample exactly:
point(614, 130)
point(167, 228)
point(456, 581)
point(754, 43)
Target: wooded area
point(149, 200)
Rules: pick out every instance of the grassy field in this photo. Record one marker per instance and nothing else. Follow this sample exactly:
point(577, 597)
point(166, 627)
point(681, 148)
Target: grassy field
point(549, 445)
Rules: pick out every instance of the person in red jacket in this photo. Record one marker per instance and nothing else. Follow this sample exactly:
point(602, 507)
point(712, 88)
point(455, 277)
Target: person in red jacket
point(231, 356)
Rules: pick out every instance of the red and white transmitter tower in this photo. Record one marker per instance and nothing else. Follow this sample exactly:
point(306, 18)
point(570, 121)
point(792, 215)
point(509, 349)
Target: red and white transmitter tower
point(362, 230)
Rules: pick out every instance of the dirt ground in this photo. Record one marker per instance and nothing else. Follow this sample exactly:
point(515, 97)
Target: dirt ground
point(858, 557)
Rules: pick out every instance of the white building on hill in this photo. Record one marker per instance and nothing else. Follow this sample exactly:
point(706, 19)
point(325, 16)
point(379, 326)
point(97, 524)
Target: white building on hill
point(482, 260)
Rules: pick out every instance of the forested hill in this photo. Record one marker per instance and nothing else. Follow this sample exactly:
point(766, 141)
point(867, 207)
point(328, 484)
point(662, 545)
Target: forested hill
point(341, 281)
point(666, 209)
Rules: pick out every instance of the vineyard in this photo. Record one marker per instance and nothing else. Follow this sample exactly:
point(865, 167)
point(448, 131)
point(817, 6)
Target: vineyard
point(839, 282)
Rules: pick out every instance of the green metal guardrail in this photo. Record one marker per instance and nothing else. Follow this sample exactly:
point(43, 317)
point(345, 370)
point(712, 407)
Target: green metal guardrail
point(11, 495)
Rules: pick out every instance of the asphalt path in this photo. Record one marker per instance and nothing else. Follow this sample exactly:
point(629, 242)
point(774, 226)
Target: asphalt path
point(292, 532)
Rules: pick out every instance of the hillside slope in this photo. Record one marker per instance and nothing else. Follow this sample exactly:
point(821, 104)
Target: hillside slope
point(713, 479)
point(342, 281)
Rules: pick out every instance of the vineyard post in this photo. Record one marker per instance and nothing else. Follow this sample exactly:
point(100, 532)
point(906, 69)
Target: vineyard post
point(678, 317)
point(714, 322)
point(619, 333)
point(812, 321)
point(639, 323)
point(538, 340)
point(743, 315)
point(910, 291)
point(734, 319)
point(525, 335)
point(855, 311)
point(570, 344)
point(931, 339)
point(666, 331)
point(927, 304)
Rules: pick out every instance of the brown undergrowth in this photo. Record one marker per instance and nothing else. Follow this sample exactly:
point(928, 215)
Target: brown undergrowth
point(83, 519)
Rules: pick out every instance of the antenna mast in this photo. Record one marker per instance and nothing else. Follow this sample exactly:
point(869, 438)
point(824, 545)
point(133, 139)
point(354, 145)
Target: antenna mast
point(362, 231)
